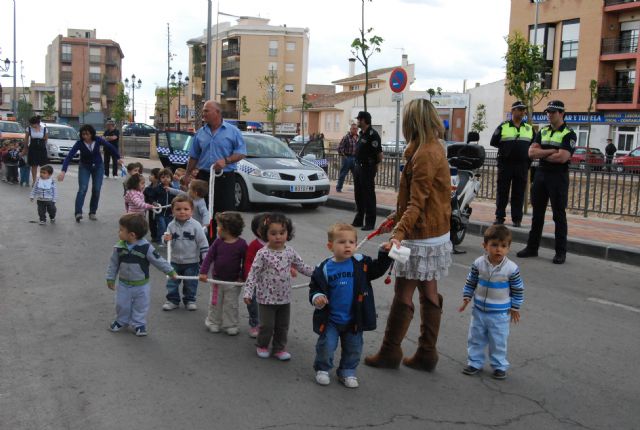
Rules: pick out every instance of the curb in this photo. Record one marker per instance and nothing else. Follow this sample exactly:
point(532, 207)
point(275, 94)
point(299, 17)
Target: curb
point(619, 254)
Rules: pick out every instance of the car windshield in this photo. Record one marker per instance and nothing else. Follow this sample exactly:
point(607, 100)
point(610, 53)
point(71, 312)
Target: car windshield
point(595, 151)
point(177, 141)
point(11, 127)
point(264, 146)
point(63, 133)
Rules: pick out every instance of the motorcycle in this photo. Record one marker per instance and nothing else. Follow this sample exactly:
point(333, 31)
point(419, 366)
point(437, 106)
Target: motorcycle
point(463, 159)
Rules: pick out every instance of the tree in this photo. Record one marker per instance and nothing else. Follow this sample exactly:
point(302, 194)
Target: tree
point(25, 111)
point(243, 106)
point(271, 102)
point(525, 65)
point(432, 92)
point(119, 108)
point(479, 118)
point(165, 98)
point(49, 110)
point(363, 48)
point(305, 105)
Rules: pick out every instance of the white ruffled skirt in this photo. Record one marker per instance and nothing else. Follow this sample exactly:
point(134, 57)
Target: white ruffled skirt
point(427, 262)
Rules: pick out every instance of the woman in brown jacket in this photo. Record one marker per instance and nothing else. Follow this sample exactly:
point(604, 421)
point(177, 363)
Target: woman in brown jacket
point(422, 218)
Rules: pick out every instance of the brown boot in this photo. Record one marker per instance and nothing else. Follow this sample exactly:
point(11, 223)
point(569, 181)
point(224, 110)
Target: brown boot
point(426, 357)
point(390, 354)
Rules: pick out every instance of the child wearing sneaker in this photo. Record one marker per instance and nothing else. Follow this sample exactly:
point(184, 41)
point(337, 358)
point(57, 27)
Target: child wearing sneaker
point(45, 192)
point(130, 260)
point(270, 279)
point(341, 292)
point(256, 245)
point(224, 262)
point(188, 248)
point(134, 202)
point(498, 291)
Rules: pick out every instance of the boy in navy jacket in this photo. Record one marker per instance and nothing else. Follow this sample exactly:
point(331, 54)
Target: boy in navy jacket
point(341, 291)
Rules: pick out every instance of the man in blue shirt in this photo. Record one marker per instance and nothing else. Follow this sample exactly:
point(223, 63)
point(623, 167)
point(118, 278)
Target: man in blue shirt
point(218, 144)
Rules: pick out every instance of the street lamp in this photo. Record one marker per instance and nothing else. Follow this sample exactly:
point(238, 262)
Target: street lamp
point(133, 86)
point(180, 84)
point(215, 72)
point(7, 62)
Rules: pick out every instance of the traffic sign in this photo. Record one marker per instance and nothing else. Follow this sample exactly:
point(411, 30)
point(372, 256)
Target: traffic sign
point(398, 80)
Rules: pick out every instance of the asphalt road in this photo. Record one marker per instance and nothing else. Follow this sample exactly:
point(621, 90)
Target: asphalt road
point(574, 355)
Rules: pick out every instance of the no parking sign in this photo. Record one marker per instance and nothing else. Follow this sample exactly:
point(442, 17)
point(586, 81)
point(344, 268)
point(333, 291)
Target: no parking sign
point(398, 80)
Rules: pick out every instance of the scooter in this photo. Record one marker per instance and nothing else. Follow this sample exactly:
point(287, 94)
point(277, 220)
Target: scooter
point(465, 184)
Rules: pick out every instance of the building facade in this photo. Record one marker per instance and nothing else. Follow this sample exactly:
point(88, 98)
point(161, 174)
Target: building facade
point(584, 41)
point(85, 72)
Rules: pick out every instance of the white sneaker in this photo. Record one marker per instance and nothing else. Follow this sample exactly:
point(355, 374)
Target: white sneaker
point(322, 377)
point(349, 381)
point(191, 306)
point(169, 306)
point(263, 352)
point(253, 332)
point(232, 331)
point(213, 328)
point(282, 356)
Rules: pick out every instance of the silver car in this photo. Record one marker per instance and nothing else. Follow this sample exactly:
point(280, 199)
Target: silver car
point(61, 140)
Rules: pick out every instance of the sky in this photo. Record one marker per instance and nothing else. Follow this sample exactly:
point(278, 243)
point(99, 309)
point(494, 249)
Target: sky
point(447, 40)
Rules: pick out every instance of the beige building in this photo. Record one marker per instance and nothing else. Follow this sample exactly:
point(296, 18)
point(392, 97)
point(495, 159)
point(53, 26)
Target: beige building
point(583, 41)
point(248, 52)
point(85, 72)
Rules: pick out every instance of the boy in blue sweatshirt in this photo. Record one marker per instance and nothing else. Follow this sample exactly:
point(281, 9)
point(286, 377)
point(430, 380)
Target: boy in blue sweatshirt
point(498, 292)
point(341, 291)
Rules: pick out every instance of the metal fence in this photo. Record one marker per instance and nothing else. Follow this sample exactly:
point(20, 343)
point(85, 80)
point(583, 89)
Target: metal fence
point(593, 188)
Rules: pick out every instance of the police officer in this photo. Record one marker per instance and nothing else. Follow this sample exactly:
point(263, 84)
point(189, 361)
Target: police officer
point(368, 155)
point(553, 146)
point(512, 138)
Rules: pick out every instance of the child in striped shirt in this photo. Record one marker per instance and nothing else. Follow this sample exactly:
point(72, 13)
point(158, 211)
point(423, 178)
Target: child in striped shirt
point(134, 197)
point(498, 292)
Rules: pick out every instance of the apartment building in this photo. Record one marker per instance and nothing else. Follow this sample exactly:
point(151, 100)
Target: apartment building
point(585, 40)
point(247, 52)
point(85, 71)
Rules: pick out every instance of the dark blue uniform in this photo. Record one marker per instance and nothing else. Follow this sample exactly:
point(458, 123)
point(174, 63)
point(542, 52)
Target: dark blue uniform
point(368, 149)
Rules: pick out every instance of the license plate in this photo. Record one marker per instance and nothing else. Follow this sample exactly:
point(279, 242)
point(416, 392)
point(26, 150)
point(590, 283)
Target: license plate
point(302, 188)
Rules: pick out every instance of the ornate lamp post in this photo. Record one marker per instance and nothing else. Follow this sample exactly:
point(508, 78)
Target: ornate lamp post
point(133, 86)
point(180, 84)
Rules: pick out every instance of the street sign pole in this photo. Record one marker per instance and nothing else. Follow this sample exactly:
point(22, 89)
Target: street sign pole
point(397, 83)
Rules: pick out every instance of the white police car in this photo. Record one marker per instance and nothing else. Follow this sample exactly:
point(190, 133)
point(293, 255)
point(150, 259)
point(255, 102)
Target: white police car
point(271, 172)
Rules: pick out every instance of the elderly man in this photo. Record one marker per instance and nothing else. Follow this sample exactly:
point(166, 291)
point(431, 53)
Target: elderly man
point(111, 135)
point(218, 144)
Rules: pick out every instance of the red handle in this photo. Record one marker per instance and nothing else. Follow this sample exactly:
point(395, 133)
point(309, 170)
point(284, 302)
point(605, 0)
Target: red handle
point(387, 223)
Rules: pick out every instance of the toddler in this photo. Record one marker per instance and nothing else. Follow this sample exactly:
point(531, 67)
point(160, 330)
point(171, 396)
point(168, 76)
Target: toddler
point(11, 160)
point(154, 180)
point(498, 292)
point(224, 261)
point(161, 195)
point(130, 259)
point(341, 291)
point(253, 248)
point(45, 192)
point(23, 167)
point(270, 279)
point(197, 190)
point(134, 197)
point(177, 176)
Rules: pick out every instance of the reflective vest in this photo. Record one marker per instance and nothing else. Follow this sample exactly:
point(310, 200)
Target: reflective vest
point(553, 140)
point(511, 133)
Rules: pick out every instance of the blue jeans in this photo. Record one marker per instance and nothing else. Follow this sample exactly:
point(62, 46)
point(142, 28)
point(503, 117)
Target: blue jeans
point(492, 329)
point(348, 163)
point(96, 173)
point(252, 308)
point(351, 344)
point(25, 171)
point(189, 287)
point(162, 221)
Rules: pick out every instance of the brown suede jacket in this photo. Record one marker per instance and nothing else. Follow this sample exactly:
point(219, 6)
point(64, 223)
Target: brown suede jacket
point(424, 199)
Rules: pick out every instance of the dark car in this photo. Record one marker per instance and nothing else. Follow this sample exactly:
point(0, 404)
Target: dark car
point(138, 129)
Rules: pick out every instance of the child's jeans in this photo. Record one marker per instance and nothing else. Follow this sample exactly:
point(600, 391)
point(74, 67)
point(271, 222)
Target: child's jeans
point(350, 343)
point(492, 329)
point(274, 321)
point(12, 173)
point(224, 306)
point(44, 207)
point(162, 221)
point(132, 304)
point(24, 175)
point(189, 286)
point(252, 308)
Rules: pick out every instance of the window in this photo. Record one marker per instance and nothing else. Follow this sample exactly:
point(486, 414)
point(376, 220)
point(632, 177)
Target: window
point(183, 111)
point(65, 106)
point(625, 138)
point(94, 73)
point(567, 80)
point(288, 88)
point(95, 55)
point(354, 87)
point(288, 109)
point(291, 46)
point(569, 49)
point(337, 123)
point(7, 99)
point(629, 36)
point(328, 120)
point(66, 68)
point(65, 90)
point(94, 91)
point(273, 66)
point(582, 131)
point(569, 54)
point(289, 67)
point(95, 107)
point(273, 48)
point(66, 53)
point(374, 85)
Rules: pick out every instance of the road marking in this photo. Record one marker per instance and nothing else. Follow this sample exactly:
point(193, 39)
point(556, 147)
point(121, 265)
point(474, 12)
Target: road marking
point(619, 305)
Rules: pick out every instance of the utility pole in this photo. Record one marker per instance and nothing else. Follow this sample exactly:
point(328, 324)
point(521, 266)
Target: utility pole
point(207, 87)
point(168, 76)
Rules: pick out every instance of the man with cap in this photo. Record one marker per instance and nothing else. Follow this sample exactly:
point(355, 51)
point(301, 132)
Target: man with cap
point(512, 138)
point(610, 150)
point(553, 146)
point(368, 155)
point(111, 135)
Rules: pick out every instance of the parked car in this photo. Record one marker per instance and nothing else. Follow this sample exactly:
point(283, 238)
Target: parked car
point(271, 172)
point(61, 139)
point(138, 129)
point(390, 147)
point(583, 156)
point(11, 132)
point(629, 162)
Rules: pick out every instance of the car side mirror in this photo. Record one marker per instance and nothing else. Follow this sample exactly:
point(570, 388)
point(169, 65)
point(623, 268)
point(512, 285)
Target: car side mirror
point(309, 157)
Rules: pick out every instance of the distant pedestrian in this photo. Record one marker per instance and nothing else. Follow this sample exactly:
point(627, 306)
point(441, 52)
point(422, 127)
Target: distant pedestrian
point(497, 290)
point(610, 150)
point(111, 135)
point(11, 160)
point(347, 150)
point(512, 138)
point(35, 145)
point(368, 155)
point(45, 193)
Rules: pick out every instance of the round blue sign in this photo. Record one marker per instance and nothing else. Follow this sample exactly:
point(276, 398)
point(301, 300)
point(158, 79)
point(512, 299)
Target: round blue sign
point(398, 80)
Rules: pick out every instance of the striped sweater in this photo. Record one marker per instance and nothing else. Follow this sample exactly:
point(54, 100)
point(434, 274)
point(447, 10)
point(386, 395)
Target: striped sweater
point(494, 288)
point(134, 202)
point(45, 190)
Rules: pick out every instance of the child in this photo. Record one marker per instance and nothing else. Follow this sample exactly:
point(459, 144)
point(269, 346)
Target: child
point(497, 298)
point(154, 180)
point(45, 192)
point(11, 159)
point(197, 191)
point(134, 168)
point(177, 175)
point(226, 256)
point(253, 248)
point(270, 278)
point(188, 247)
point(131, 257)
point(341, 291)
point(134, 197)
point(23, 167)
point(184, 183)
point(161, 195)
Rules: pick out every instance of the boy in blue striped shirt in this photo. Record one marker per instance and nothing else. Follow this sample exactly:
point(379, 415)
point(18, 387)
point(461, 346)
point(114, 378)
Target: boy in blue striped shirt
point(498, 292)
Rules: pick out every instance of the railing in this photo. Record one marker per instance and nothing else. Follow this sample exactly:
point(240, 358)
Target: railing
point(593, 188)
point(615, 94)
point(230, 94)
point(619, 45)
point(615, 2)
point(230, 51)
point(229, 114)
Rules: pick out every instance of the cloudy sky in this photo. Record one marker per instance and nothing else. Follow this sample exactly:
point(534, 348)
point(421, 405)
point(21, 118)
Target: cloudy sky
point(447, 40)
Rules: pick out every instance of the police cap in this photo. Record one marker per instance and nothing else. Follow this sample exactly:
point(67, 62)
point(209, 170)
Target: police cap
point(364, 115)
point(555, 106)
point(518, 105)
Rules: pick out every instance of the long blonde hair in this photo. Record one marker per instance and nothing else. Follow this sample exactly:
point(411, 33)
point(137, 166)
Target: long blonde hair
point(421, 123)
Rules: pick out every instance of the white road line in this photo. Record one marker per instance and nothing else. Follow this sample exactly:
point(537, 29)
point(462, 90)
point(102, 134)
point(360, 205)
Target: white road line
point(619, 305)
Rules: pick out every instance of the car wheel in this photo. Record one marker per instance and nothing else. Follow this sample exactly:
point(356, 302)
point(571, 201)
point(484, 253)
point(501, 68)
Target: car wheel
point(310, 205)
point(241, 195)
point(620, 169)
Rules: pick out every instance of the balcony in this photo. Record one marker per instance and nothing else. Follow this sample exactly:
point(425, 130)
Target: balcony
point(230, 72)
point(620, 5)
point(230, 94)
point(229, 115)
point(617, 2)
point(607, 94)
point(619, 45)
point(65, 76)
point(233, 50)
point(66, 58)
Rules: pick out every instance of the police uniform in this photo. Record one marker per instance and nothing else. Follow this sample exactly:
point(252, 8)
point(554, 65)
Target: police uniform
point(367, 150)
point(513, 164)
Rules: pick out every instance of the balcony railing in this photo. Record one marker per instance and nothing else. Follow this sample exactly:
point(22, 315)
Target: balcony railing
point(65, 76)
point(615, 94)
point(619, 45)
point(615, 2)
point(229, 115)
point(235, 50)
point(230, 94)
point(230, 72)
